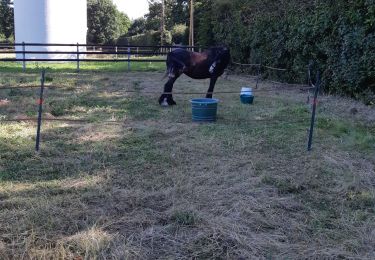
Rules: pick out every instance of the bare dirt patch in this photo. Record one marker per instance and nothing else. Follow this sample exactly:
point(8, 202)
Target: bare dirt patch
point(4, 102)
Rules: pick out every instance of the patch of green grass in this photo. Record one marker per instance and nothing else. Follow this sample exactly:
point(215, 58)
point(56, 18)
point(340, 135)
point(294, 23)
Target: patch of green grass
point(21, 79)
point(351, 135)
point(84, 66)
point(324, 220)
point(141, 108)
point(184, 218)
point(364, 200)
point(137, 85)
point(58, 108)
point(284, 186)
point(138, 149)
point(48, 79)
point(63, 154)
point(213, 246)
point(15, 92)
point(293, 111)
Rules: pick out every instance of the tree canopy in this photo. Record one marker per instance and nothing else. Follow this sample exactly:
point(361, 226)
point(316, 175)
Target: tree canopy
point(6, 20)
point(105, 23)
point(339, 36)
point(138, 26)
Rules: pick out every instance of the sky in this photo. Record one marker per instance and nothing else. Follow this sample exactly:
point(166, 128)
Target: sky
point(133, 8)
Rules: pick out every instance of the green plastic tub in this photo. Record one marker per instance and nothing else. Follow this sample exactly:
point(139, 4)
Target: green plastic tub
point(204, 109)
point(247, 99)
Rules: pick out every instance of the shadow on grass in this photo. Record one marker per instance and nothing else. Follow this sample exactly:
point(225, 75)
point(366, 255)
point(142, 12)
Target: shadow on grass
point(73, 150)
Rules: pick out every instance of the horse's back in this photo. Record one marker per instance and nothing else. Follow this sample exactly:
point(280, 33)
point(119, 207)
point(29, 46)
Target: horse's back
point(195, 64)
point(180, 54)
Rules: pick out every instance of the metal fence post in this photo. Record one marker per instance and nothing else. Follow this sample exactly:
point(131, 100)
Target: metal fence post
point(315, 101)
point(78, 57)
point(40, 103)
point(129, 59)
point(23, 56)
point(258, 76)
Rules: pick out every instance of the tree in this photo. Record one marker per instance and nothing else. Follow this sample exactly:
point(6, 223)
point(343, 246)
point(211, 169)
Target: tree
point(105, 22)
point(176, 12)
point(180, 34)
point(337, 35)
point(138, 26)
point(204, 22)
point(6, 18)
point(123, 23)
point(153, 18)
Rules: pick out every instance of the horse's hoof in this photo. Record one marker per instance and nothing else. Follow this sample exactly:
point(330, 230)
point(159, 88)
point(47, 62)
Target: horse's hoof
point(171, 102)
point(164, 103)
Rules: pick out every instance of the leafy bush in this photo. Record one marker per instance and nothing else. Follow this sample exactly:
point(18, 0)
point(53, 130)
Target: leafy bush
point(180, 34)
point(140, 39)
point(2, 38)
point(147, 38)
point(339, 36)
point(105, 22)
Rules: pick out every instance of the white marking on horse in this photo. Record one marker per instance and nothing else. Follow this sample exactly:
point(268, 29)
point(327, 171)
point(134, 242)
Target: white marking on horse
point(164, 103)
point(212, 68)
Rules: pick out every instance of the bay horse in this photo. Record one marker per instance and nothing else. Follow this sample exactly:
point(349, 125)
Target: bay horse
point(197, 65)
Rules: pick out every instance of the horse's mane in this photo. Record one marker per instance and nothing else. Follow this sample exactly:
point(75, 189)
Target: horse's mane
point(214, 51)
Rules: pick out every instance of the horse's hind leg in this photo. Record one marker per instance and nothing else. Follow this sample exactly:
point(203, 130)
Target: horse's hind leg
point(211, 88)
point(166, 98)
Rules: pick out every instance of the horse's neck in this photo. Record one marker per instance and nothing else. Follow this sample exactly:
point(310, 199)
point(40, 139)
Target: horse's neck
point(198, 57)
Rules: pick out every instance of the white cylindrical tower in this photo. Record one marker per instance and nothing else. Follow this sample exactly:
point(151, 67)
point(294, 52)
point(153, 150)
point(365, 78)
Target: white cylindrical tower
point(52, 22)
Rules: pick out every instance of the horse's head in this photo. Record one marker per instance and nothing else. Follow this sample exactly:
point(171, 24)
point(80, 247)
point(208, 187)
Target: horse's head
point(222, 55)
point(220, 58)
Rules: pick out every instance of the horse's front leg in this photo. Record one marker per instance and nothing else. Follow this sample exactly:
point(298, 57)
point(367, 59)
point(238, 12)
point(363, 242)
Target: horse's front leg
point(166, 99)
point(211, 88)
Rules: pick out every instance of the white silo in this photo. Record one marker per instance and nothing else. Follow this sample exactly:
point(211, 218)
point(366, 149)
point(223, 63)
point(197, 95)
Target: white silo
point(50, 21)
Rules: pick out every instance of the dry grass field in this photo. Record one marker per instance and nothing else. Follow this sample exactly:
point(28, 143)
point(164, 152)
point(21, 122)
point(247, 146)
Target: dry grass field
point(137, 181)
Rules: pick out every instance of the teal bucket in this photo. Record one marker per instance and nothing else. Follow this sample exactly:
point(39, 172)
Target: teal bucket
point(247, 99)
point(247, 95)
point(204, 109)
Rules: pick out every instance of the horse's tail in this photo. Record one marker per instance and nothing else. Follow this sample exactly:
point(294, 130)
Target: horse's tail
point(168, 68)
point(165, 74)
point(169, 72)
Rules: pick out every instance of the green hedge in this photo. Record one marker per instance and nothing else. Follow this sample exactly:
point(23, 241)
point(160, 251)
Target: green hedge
point(147, 38)
point(339, 36)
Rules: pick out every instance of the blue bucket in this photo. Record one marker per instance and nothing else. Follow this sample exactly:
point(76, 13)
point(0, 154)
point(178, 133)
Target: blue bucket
point(204, 109)
point(247, 99)
point(247, 96)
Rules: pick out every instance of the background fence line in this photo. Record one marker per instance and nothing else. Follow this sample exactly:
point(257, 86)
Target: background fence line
point(83, 121)
point(174, 93)
point(143, 53)
point(97, 45)
point(139, 51)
